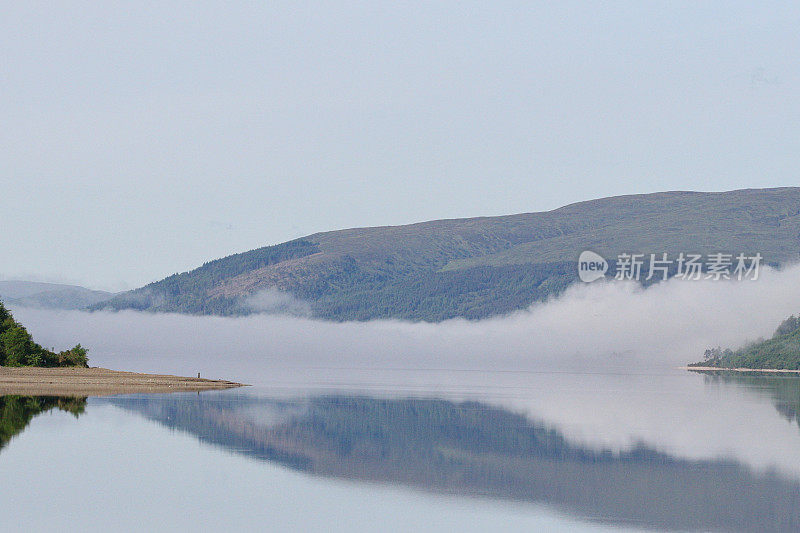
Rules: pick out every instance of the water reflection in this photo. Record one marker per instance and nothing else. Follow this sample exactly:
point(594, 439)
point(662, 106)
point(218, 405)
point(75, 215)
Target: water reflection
point(782, 389)
point(477, 449)
point(16, 412)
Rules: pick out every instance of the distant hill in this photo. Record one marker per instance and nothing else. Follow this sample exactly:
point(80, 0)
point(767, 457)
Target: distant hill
point(50, 295)
point(476, 267)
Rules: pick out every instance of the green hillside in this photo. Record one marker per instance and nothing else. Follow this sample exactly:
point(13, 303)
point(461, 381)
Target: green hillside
point(781, 352)
point(477, 267)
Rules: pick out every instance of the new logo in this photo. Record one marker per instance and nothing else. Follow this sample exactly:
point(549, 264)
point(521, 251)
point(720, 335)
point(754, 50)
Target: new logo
point(591, 266)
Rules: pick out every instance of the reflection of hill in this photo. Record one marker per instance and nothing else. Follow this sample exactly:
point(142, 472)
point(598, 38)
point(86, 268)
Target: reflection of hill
point(17, 411)
point(783, 389)
point(472, 448)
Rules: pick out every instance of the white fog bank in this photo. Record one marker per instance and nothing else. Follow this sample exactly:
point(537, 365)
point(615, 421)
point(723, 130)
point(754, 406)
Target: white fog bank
point(598, 325)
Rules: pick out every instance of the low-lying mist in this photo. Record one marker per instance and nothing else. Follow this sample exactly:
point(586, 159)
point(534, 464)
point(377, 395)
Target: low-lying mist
point(599, 325)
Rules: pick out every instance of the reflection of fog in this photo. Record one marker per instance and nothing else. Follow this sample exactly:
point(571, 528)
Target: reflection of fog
point(271, 414)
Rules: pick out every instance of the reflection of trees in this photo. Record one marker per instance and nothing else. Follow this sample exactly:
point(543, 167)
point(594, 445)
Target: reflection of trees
point(17, 411)
point(473, 448)
point(782, 389)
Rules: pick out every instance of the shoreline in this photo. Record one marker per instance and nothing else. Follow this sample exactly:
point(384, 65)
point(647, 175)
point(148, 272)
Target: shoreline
point(73, 381)
point(739, 369)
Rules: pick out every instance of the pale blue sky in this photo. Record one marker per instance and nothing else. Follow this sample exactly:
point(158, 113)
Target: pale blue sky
point(141, 139)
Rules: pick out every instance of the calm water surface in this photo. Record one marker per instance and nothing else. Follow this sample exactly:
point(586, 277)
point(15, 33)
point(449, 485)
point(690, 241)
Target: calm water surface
point(404, 449)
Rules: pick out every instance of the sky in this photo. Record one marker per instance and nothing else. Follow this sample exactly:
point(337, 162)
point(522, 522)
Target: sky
point(142, 139)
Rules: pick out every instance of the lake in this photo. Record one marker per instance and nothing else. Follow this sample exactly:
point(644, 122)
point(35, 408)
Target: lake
point(410, 449)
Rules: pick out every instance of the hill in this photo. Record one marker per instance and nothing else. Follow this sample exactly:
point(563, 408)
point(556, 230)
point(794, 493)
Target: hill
point(474, 267)
point(781, 352)
point(50, 295)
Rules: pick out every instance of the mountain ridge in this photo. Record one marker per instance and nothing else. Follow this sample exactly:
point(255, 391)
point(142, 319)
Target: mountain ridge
point(480, 266)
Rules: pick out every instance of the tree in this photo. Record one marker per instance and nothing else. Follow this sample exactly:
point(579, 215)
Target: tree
point(77, 356)
point(788, 326)
point(16, 346)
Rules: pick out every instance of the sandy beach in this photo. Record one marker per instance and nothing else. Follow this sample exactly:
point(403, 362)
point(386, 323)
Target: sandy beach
point(98, 382)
